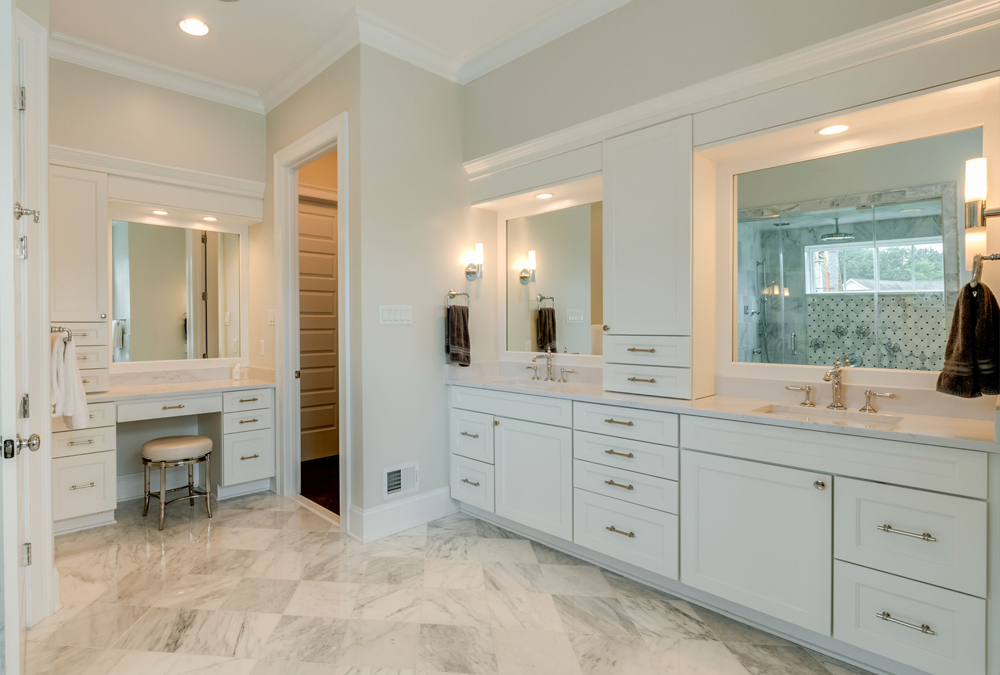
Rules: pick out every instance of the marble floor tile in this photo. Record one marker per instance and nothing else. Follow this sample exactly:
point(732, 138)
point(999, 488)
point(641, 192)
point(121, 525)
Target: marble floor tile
point(491, 531)
point(694, 657)
point(306, 638)
point(267, 667)
point(297, 541)
point(394, 571)
point(594, 616)
point(451, 547)
point(666, 618)
point(458, 525)
point(326, 599)
point(775, 660)
point(505, 550)
point(195, 631)
point(534, 652)
point(225, 563)
point(45, 659)
point(835, 666)
point(624, 587)
point(513, 577)
point(524, 611)
point(196, 591)
point(575, 580)
point(451, 574)
point(388, 603)
point(240, 538)
point(308, 521)
point(156, 663)
point(380, 644)
point(267, 596)
point(84, 541)
point(409, 544)
point(609, 655)
point(161, 559)
point(343, 560)
point(98, 625)
point(268, 519)
point(139, 589)
point(44, 628)
point(453, 607)
point(457, 649)
point(550, 556)
point(275, 565)
point(80, 587)
point(730, 630)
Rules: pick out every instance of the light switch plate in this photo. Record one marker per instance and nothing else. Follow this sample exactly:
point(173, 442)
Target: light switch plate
point(270, 317)
point(574, 316)
point(262, 348)
point(395, 315)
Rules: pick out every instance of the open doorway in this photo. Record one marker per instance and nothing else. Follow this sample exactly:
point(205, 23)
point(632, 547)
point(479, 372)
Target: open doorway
point(318, 333)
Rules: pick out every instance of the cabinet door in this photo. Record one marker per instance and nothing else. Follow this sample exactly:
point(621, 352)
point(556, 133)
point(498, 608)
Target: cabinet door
point(759, 535)
point(79, 245)
point(647, 231)
point(534, 475)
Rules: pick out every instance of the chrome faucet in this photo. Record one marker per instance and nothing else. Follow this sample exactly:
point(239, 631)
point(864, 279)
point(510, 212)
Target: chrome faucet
point(549, 356)
point(836, 378)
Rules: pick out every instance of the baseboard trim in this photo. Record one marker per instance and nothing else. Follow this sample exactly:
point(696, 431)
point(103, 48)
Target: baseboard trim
point(231, 492)
point(368, 525)
point(312, 506)
point(86, 522)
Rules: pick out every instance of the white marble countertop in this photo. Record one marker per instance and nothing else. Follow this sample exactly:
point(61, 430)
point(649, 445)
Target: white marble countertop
point(952, 432)
point(119, 393)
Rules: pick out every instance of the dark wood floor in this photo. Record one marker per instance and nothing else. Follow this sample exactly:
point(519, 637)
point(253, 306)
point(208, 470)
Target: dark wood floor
point(321, 482)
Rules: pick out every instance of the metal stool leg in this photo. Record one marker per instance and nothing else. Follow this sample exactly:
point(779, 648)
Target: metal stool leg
point(145, 494)
point(163, 492)
point(191, 484)
point(208, 484)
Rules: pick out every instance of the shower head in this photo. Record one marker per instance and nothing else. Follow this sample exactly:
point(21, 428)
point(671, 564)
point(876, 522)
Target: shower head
point(837, 235)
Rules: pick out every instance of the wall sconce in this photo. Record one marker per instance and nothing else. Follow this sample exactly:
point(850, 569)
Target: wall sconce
point(976, 212)
point(475, 269)
point(528, 273)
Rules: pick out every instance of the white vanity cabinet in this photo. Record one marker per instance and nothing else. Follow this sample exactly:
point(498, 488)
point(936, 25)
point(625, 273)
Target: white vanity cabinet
point(84, 470)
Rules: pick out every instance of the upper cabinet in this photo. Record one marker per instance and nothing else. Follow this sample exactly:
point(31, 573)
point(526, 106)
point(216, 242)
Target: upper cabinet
point(647, 231)
point(79, 245)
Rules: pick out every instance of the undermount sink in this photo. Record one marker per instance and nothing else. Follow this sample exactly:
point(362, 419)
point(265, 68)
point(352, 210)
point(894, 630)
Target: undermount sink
point(827, 416)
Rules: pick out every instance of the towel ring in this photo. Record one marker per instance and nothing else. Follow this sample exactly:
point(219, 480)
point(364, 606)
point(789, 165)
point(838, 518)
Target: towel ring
point(452, 294)
point(61, 329)
point(542, 298)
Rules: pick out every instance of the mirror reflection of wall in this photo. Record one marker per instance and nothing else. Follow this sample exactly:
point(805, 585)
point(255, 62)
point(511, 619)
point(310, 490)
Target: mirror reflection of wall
point(566, 247)
point(856, 255)
point(175, 293)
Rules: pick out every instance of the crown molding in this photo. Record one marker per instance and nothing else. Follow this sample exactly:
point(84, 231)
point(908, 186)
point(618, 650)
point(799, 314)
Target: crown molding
point(80, 52)
point(551, 26)
point(395, 41)
point(936, 22)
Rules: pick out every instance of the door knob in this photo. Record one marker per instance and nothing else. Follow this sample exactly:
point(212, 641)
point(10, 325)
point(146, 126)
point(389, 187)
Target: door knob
point(607, 328)
point(819, 485)
point(33, 443)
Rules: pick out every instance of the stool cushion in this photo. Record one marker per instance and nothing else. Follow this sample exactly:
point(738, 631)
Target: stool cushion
point(176, 448)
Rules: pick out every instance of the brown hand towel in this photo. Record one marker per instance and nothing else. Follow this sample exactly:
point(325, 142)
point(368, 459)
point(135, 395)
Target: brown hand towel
point(547, 329)
point(457, 344)
point(971, 359)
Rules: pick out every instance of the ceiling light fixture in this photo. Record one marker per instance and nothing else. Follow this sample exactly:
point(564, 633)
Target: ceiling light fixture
point(195, 27)
point(160, 213)
point(544, 195)
point(210, 219)
point(833, 129)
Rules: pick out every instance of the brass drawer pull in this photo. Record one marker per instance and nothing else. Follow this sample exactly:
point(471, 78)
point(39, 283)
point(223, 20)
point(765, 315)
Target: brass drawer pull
point(624, 424)
point(248, 400)
point(250, 457)
point(86, 381)
point(926, 536)
point(466, 480)
point(83, 487)
point(627, 455)
point(249, 421)
point(651, 380)
point(466, 433)
point(173, 407)
point(82, 358)
point(614, 484)
point(612, 528)
point(89, 441)
point(78, 334)
point(644, 351)
point(923, 628)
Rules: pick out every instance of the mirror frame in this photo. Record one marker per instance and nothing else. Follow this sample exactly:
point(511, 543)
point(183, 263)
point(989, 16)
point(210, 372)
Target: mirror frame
point(139, 213)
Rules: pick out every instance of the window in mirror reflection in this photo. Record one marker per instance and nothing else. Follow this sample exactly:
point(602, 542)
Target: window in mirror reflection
point(175, 293)
point(855, 255)
point(568, 275)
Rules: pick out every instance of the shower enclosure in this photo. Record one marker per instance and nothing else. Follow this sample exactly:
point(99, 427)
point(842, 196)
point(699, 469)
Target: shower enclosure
point(872, 278)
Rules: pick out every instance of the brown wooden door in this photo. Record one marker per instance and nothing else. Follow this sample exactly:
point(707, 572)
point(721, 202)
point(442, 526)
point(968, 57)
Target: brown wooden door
point(318, 329)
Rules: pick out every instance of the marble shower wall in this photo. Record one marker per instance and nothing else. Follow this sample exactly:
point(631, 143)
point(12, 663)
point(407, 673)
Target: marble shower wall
point(748, 301)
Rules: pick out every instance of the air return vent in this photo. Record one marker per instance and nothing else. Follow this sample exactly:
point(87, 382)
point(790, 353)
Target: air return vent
point(401, 480)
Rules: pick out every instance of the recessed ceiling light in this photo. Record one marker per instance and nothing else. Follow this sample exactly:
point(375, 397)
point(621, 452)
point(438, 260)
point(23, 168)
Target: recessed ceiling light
point(834, 129)
point(160, 213)
point(194, 27)
point(210, 219)
point(544, 195)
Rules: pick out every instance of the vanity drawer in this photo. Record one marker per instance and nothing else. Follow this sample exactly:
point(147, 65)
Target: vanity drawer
point(648, 380)
point(252, 420)
point(641, 536)
point(648, 350)
point(101, 415)
point(247, 399)
point(83, 485)
point(472, 482)
point(169, 407)
point(631, 423)
point(87, 334)
point(95, 380)
point(555, 411)
point(650, 491)
point(957, 645)
point(648, 458)
point(471, 435)
point(929, 467)
point(83, 441)
point(247, 456)
point(89, 358)
point(955, 556)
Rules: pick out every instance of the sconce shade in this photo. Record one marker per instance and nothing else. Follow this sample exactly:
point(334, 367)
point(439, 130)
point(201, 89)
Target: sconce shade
point(479, 254)
point(975, 243)
point(531, 260)
point(975, 180)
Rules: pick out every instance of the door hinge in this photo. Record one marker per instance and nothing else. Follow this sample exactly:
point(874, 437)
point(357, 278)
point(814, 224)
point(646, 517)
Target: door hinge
point(8, 449)
point(204, 238)
point(22, 247)
point(22, 103)
point(27, 554)
point(204, 295)
point(25, 407)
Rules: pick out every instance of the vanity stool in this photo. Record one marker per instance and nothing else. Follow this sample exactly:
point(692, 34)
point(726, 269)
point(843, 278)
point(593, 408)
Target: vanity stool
point(177, 451)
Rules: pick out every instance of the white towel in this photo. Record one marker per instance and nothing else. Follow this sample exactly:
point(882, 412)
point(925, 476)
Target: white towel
point(118, 335)
point(75, 412)
point(58, 377)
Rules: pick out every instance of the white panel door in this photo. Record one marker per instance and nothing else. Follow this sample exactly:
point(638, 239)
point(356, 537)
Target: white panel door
point(79, 245)
point(534, 475)
point(759, 535)
point(647, 231)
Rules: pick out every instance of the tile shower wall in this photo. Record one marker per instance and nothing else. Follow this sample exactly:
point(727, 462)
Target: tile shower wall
point(748, 301)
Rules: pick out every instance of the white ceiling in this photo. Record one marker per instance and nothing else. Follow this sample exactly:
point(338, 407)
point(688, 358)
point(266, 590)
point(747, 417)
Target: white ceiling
point(253, 42)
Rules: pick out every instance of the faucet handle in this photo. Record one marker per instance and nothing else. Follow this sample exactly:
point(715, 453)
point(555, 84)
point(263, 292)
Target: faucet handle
point(562, 374)
point(534, 368)
point(807, 403)
point(871, 394)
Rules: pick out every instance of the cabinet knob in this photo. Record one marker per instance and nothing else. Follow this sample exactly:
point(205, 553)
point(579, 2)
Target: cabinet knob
point(819, 485)
point(104, 316)
point(607, 328)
